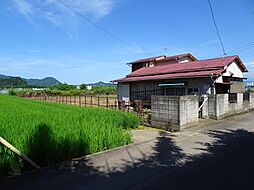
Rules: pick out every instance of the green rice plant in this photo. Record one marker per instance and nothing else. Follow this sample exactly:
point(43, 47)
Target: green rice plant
point(49, 133)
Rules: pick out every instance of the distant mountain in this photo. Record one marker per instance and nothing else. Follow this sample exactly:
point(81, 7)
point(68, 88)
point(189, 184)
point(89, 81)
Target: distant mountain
point(4, 77)
point(101, 83)
point(12, 82)
point(48, 81)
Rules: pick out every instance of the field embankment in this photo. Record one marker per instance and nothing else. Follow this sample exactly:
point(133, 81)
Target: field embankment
point(50, 132)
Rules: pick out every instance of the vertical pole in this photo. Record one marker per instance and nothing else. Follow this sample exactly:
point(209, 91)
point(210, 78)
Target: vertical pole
point(79, 100)
point(85, 100)
point(98, 101)
point(91, 100)
point(115, 104)
point(107, 101)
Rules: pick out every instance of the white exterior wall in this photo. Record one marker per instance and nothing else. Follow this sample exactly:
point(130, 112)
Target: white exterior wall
point(233, 69)
point(203, 84)
point(184, 60)
point(219, 80)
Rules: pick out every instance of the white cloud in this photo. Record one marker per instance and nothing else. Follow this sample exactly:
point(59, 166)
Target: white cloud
point(34, 63)
point(250, 64)
point(69, 69)
point(24, 7)
point(57, 14)
point(97, 8)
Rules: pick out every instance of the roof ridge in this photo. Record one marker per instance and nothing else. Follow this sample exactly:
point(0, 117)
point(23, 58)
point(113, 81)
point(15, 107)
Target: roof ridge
point(165, 57)
point(219, 57)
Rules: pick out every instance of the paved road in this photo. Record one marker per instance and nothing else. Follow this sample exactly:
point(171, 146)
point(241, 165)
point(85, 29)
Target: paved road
point(215, 155)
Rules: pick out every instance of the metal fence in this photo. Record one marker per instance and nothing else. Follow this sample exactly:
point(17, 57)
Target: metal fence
point(92, 101)
point(109, 102)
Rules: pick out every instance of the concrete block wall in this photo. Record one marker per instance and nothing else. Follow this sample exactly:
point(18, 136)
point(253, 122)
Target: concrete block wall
point(251, 97)
point(219, 106)
point(205, 109)
point(239, 101)
point(212, 106)
point(165, 112)
point(174, 112)
point(178, 112)
point(188, 111)
point(222, 105)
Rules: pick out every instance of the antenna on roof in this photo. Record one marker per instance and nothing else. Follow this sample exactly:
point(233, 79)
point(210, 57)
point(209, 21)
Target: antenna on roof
point(165, 51)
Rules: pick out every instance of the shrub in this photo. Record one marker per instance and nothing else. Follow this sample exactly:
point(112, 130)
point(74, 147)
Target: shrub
point(63, 87)
point(103, 90)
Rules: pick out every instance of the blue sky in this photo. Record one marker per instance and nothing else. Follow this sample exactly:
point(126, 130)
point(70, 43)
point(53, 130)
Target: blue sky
point(42, 38)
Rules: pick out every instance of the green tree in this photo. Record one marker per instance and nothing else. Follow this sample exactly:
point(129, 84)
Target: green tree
point(83, 86)
point(63, 87)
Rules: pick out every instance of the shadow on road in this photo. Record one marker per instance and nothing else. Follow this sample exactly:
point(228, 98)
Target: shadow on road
point(226, 164)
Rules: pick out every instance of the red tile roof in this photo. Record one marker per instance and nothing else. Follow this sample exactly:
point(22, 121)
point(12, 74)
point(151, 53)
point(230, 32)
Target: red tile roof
point(188, 69)
point(183, 67)
point(164, 58)
point(168, 76)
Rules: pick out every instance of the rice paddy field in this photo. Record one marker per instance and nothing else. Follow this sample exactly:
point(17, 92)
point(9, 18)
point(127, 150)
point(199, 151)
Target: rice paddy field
point(49, 133)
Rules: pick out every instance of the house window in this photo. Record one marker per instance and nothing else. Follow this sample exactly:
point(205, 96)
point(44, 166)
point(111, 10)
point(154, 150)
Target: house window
point(174, 91)
point(193, 91)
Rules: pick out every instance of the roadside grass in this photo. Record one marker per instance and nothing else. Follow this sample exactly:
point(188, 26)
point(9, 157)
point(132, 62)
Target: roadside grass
point(51, 132)
point(143, 127)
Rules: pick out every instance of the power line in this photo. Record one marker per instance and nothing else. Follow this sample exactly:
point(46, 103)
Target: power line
point(243, 4)
point(97, 26)
point(245, 45)
point(244, 50)
point(217, 29)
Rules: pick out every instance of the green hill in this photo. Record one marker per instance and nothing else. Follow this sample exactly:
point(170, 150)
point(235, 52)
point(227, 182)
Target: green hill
point(12, 82)
point(48, 81)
